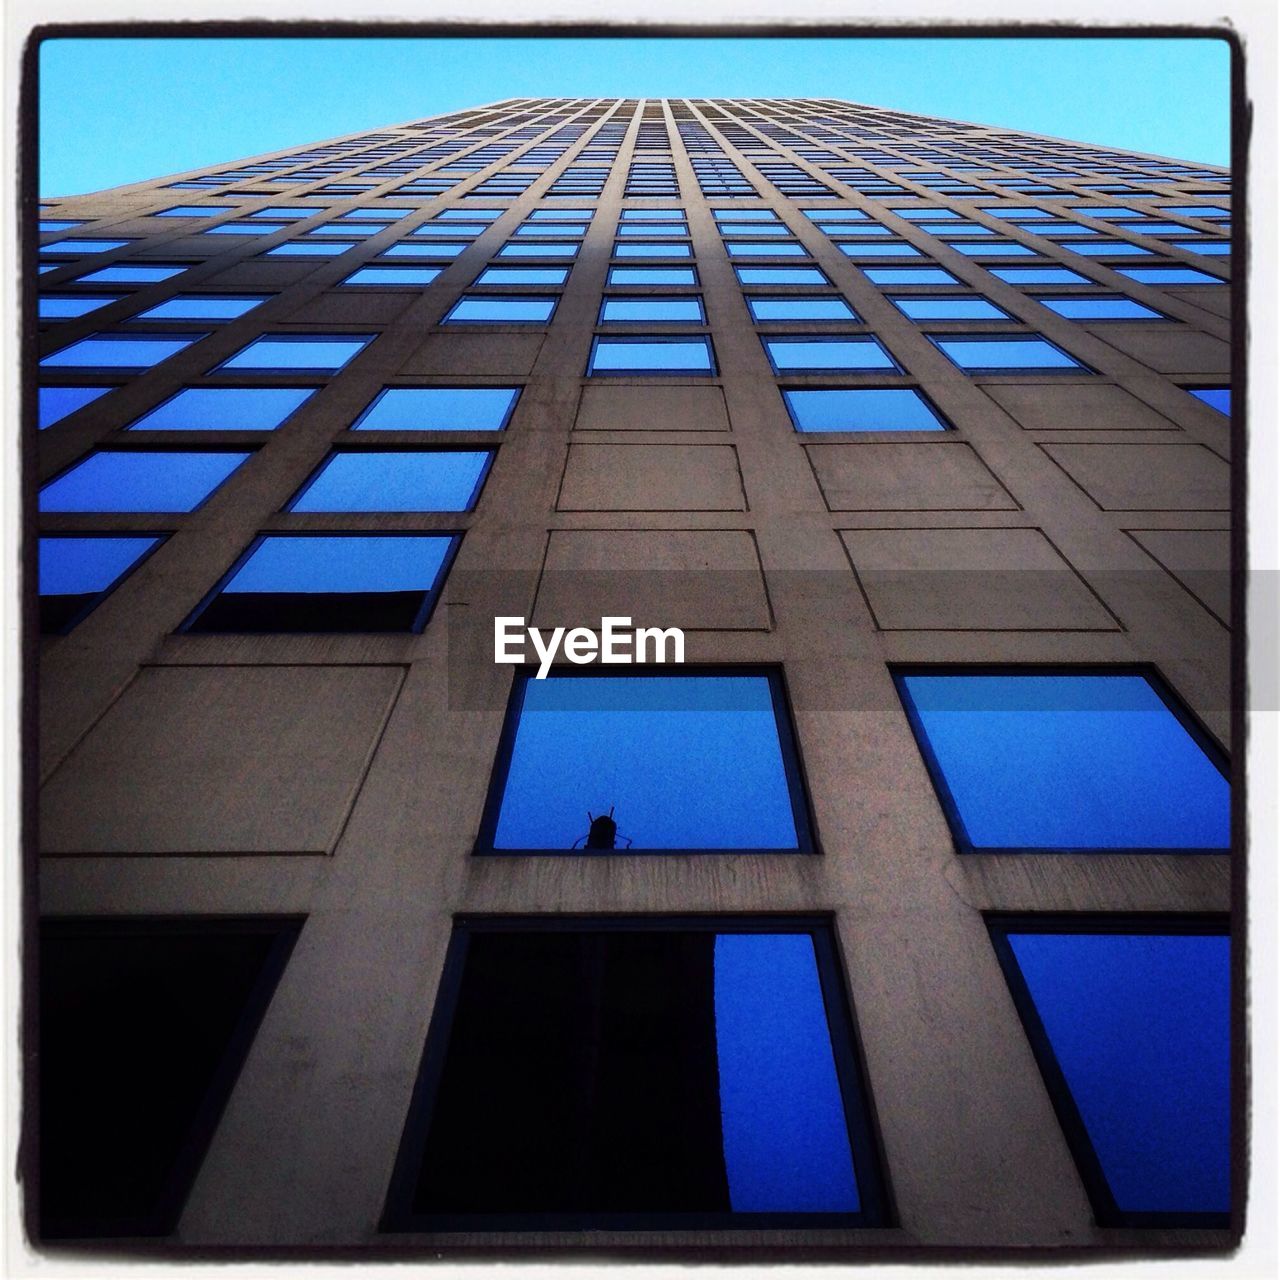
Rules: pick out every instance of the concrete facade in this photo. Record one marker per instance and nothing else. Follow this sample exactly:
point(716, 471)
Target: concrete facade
point(1077, 517)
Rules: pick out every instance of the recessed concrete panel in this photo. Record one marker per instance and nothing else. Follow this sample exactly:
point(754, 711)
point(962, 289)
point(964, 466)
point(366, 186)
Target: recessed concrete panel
point(354, 307)
point(651, 477)
point(1210, 297)
point(1147, 477)
point(696, 579)
point(970, 580)
point(481, 354)
point(1076, 407)
point(906, 477)
point(1200, 559)
point(1179, 350)
point(253, 759)
point(268, 273)
point(611, 408)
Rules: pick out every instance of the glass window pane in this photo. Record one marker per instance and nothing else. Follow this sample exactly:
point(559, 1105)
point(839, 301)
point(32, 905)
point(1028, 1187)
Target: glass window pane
point(119, 351)
point(652, 275)
point(422, 252)
point(393, 276)
point(329, 583)
point(1109, 249)
point(244, 229)
point(225, 409)
point(992, 249)
point(522, 275)
point(302, 249)
point(801, 309)
point(82, 246)
point(439, 409)
point(672, 355)
point(321, 353)
point(1038, 275)
point(118, 480)
point(68, 306)
point(75, 572)
point(976, 354)
point(949, 309)
point(477, 307)
point(826, 353)
point(709, 1058)
point(766, 249)
point(1138, 1024)
point(209, 307)
point(655, 749)
point(1085, 308)
point(862, 409)
point(889, 249)
point(57, 402)
point(539, 249)
point(1215, 397)
point(780, 275)
point(1070, 761)
point(657, 308)
point(131, 273)
point(910, 275)
point(419, 480)
point(1169, 275)
point(640, 250)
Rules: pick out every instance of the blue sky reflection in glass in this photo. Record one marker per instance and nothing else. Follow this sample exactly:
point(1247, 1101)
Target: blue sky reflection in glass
point(687, 762)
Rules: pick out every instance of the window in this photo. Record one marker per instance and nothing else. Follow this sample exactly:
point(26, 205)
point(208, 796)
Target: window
point(1100, 307)
point(992, 249)
point(361, 230)
point(128, 480)
point(949, 309)
point(50, 224)
point(300, 352)
point(653, 275)
point(651, 355)
point(132, 273)
point(910, 275)
point(714, 1055)
point(396, 480)
point(517, 276)
point(639, 249)
point(820, 354)
point(1215, 397)
point(463, 214)
point(1195, 211)
point(439, 409)
point(1038, 275)
point(887, 249)
point(55, 403)
point(1108, 249)
point(539, 249)
point(779, 275)
point(759, 229)
point(765, 249)
point(69, 305)
point(652, 229)
point(209, 306)
point(924, 214)
point(77, 573)
point(1130, 1021)
point(225, 409)
point(1003, 353)
point(631, 310)
point(287, 213)
point(479, 308)
point(451, 229)
point(1169, 275)
point(1207, 248)
point(800, 308)
point(687, 762)
point(178, 1003)
point(1066, 760)
point(305, 249)
point(422, 252)
point(393, 276)
point(82, 246)
point(660, 215)
point(120, 351)
point(330, 582)
point(759, 215)
point(861, 409)
point(244, 229)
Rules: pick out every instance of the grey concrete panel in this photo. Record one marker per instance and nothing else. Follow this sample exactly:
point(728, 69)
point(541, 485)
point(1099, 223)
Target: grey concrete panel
point(1199, 558)
point(1078, 406)
point(651, 477)
point(1169, 350)
point(907, 477)
point(476, 354)
point(221, 760)
point(1147, 477)
point(693, 579)
point(649, 408)
point(970, 579)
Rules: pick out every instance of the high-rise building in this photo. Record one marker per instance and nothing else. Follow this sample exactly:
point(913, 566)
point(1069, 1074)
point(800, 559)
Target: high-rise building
point(898, 916)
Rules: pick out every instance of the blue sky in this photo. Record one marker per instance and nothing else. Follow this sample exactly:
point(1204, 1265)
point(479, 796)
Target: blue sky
point(121, 110)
